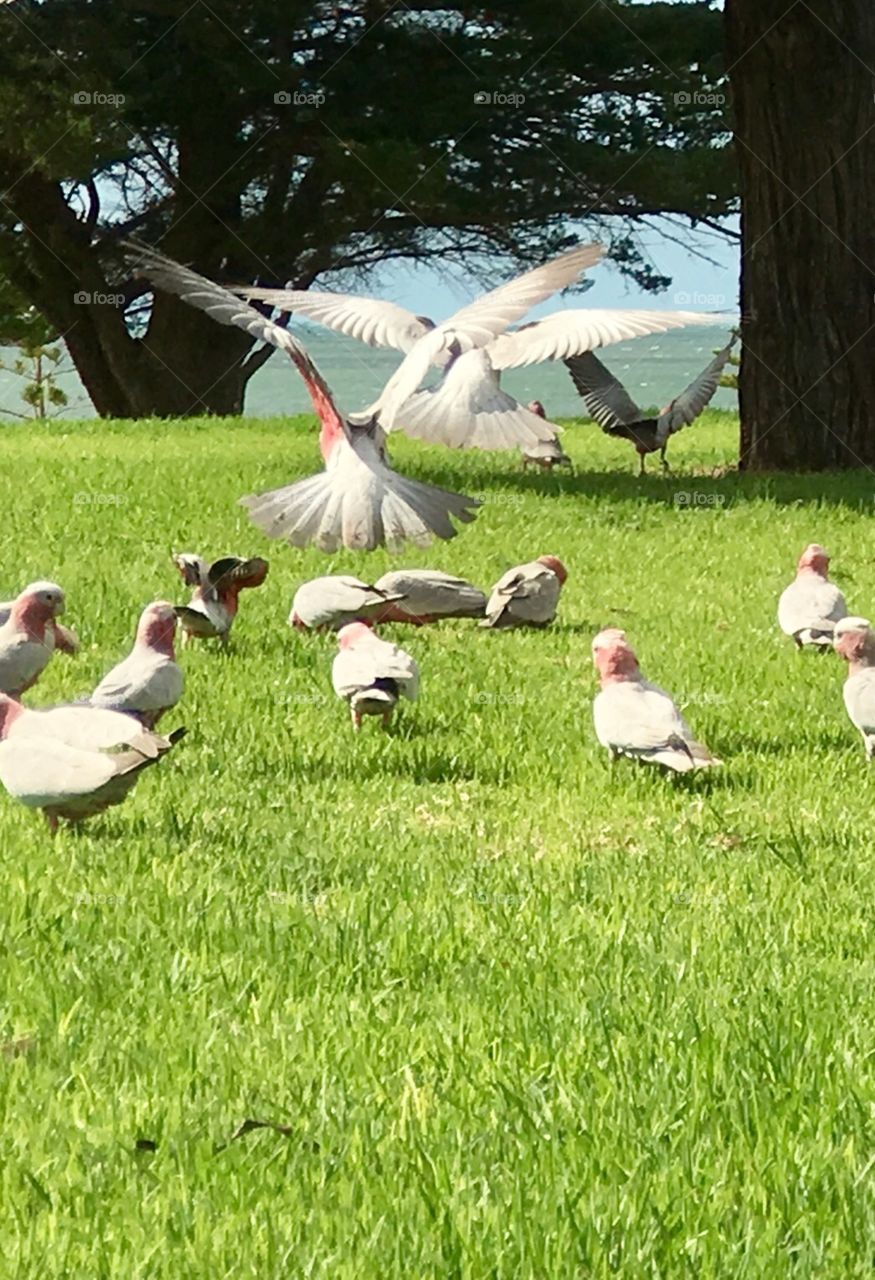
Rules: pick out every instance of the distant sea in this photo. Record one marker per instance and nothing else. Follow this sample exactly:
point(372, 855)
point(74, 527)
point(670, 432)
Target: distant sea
point(653, 369)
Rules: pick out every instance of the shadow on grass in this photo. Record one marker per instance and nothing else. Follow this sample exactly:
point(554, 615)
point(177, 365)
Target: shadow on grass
point(854, 490)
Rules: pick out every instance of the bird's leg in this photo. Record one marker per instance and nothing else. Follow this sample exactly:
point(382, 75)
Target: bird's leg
point(387, 719)
point(52, 820)
point(525, 463)
point(641, 470)
point(224, 639)
point(356, 719)
point(663, 459)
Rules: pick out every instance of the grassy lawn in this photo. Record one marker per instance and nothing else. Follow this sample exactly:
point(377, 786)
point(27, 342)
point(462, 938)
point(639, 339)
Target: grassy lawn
point(523, 1014)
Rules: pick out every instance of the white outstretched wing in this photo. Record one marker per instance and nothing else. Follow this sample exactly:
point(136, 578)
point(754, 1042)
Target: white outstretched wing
point(480, 322)
point(369, 320)
point(568, 333)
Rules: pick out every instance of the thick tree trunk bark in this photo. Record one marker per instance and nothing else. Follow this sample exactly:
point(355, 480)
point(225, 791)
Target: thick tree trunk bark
point(802, 90)
point(185, 364)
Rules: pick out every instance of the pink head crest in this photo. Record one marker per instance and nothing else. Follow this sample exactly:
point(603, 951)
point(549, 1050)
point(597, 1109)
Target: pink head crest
point(37, 605)
point(535, 406)
point(814, 559)
point(554, 563)
point(853, 640)
point(352, 633)
point(157, 627)
point(613, 656)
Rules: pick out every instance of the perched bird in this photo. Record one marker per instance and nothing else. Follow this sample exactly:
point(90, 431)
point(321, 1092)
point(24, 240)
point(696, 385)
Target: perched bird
point(638, 719)
point(147, 682)
point(73, 762)
point(546, 453)
point(66, 640)
point(810, 607)
point(526, 596)
point(329, 603)
point(467, 407)
point(215, 589)
point(428, 595)
point(617, 414)
point(28, 636)
point(371, 674)
point(359, 501)
point(855, 642)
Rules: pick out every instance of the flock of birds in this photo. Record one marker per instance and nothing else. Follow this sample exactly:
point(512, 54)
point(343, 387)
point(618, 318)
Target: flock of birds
point(75, 760)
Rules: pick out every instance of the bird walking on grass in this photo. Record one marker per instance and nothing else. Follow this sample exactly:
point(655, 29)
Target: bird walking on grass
point(526, 596)
point(28, 637)
point(371, 674)
point(73, 762)
point(810, 607)
point(638, 719)
point(617, 414)
point(855, 642)
point(546, 454)
point(214, 596)
point(148, 681)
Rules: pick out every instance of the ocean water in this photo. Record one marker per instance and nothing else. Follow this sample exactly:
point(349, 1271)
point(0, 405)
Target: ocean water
point(653, 369)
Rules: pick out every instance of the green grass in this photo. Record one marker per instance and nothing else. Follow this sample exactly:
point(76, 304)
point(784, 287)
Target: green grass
point(525, 1015)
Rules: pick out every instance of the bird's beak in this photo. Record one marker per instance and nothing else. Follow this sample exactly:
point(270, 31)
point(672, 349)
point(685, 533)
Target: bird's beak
point(59, 608)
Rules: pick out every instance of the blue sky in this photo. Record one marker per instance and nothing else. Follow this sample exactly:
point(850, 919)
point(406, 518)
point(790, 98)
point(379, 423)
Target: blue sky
point(697, 284)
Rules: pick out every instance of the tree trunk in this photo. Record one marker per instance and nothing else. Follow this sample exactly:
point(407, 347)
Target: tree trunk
point(185, 364)
point(802, 93)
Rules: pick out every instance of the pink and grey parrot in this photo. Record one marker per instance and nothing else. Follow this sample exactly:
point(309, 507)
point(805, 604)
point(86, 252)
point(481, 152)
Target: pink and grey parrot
point(810, 607)
point(546, 454)
point(428, 595)
point(855, 642)
point(526, 596)
point(327, 604)
point(28, 637)
point(618, 415)
point(66, 640)
point(215, 591)
point(637, 719)
point(371, 674)
point(75, 761)
point(359, 501)
point(147, 682)
point(467, 408)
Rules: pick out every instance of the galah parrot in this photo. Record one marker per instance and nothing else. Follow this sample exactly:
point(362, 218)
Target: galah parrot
point(617, 414)
point(359, 501)
point(28, 636)
point(66, 640)
point(637, 719)
point(546, 454)
point(855, 642)
point(73, 762)
point(467, 407)
point(215, 590)
point(371, 674)
point(810, 607)
point(326, 604)
point(428, 595)
point(147, 682)
point(526, 596)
